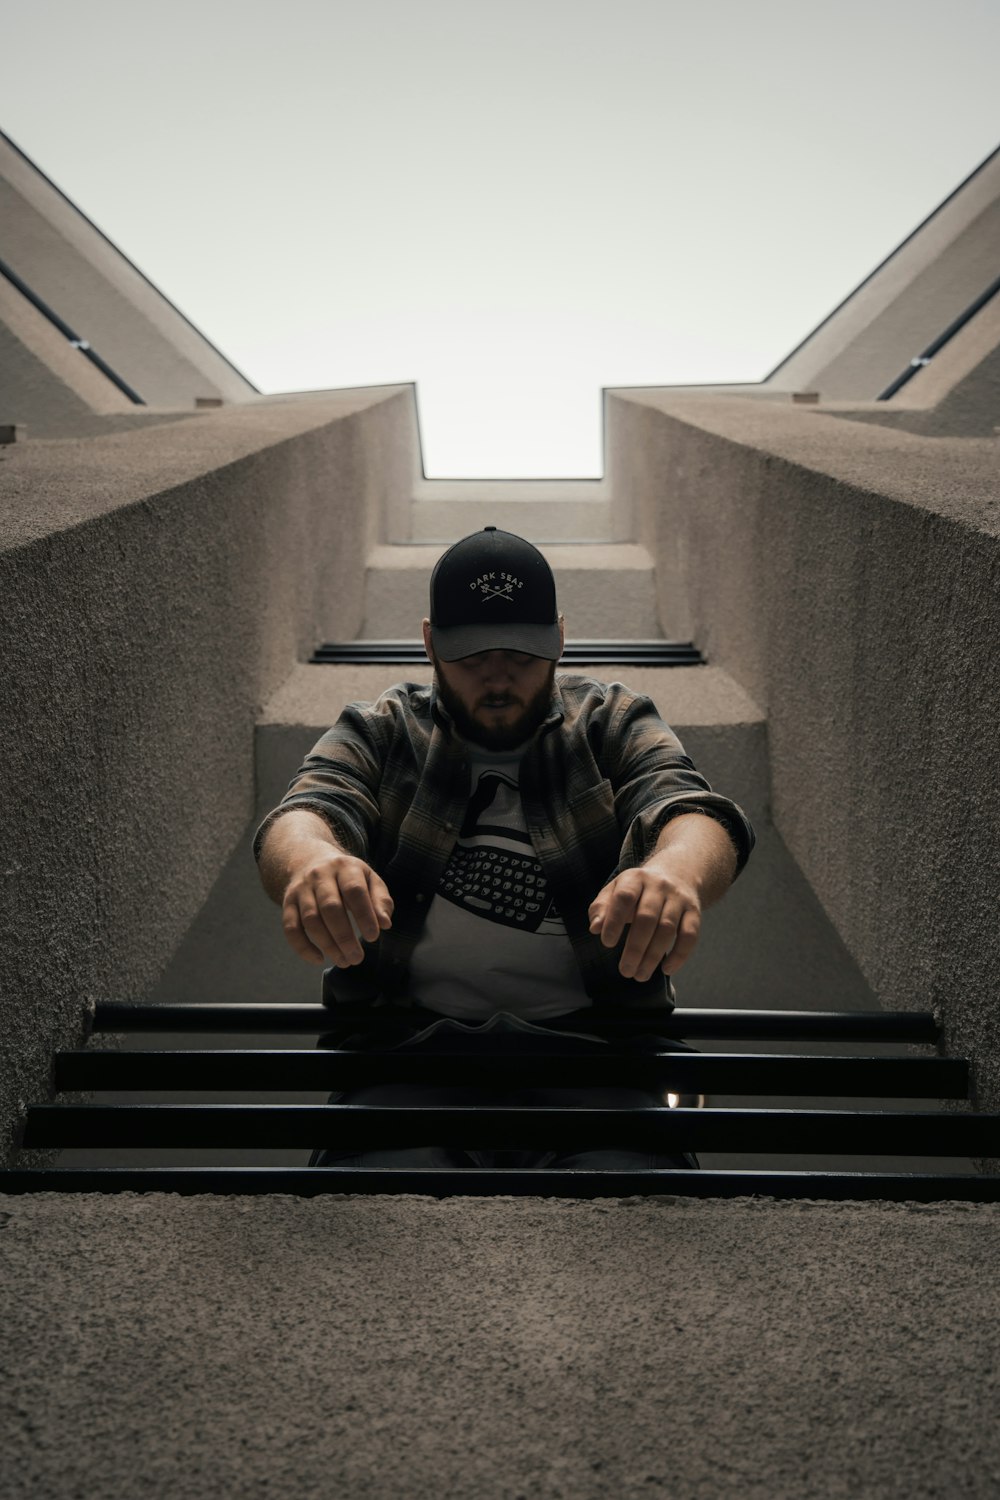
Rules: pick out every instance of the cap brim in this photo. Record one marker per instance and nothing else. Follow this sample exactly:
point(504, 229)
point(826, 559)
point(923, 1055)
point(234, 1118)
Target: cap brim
point(451, 644)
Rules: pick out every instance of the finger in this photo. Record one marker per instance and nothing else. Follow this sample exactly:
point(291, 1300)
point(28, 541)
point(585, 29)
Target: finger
point(618, 904)
point(687, 940)
point(353, 898)
point(651, 937)
point(596, 913)
point(295, 934)
point(328, 928)
point(381, 900)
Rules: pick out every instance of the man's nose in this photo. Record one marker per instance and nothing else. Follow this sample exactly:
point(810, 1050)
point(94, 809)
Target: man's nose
point(497, 668)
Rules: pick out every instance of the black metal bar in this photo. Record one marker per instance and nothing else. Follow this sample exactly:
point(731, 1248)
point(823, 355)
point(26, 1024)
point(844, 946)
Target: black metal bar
point(350, 1126)
point(887, 1026)
point(905, 1187)
point(626, 653)
point(68, 333)
point(681, 1072)
point(592, 659)
point(926, 355)
point(589, 643)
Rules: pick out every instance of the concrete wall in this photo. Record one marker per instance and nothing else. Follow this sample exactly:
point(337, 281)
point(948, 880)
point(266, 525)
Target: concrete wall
point(907, 301)
point(847, 577)
point(957, 394)
point(104, 298)
point(45, 383)
point(157, 586)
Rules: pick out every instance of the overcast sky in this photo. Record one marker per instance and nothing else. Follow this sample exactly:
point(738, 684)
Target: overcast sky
point(511, 202)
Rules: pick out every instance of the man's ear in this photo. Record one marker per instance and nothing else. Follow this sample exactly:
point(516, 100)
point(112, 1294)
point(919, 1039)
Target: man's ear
point(426, 627)
point(562, 634)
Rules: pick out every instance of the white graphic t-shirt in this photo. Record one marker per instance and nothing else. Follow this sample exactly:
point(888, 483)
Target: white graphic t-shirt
point(494, 940)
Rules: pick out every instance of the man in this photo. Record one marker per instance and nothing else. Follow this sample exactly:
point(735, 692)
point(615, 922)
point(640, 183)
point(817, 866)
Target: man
point(501, 848)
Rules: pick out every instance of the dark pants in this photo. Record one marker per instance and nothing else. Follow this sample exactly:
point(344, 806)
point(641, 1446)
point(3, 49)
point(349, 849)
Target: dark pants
point(506, 1033)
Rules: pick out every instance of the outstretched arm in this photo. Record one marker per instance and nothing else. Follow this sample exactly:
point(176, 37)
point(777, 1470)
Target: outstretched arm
point(320, 889)
point(661, 901)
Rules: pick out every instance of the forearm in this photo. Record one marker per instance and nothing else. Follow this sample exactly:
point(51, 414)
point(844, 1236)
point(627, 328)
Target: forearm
point(293, 839)
point(697, 850)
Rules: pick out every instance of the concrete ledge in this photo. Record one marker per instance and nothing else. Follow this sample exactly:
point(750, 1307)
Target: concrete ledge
point(573, 519)
point(952, 478)
point(606, 590)
point(543, 510)
point(50, 485)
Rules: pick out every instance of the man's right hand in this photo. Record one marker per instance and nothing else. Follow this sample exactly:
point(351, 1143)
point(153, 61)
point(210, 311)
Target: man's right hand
point(323, 897)
point(328, 898)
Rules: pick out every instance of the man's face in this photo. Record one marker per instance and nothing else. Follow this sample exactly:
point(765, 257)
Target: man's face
point(496, 698)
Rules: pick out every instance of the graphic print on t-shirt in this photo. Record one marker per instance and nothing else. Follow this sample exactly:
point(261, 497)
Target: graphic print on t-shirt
point(493, 871)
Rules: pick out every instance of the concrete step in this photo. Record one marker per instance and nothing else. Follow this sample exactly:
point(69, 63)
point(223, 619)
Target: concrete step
point(721, 728)
point(605, 590)
point(541, 510)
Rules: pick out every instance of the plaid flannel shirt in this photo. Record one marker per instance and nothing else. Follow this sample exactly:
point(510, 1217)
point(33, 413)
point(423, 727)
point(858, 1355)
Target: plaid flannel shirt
point(599, 780)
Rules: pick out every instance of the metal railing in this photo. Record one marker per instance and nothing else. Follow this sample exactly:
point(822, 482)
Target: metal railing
point(577, 653)
point(162, 1129)
point(69, 334)
point(936, 345)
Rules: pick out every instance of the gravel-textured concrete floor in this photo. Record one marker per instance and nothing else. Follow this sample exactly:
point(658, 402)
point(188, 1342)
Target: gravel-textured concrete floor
point(185, 1347)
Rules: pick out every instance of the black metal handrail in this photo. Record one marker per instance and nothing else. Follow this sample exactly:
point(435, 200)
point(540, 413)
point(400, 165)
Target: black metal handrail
point(684, 1089)
point(68, 333)
point(683, 1023)
point(680, 1072)
point(363, 1126)
point(926, 355)
point(576, 653)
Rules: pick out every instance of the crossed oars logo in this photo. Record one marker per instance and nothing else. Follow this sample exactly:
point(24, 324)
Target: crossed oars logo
point(504, 593)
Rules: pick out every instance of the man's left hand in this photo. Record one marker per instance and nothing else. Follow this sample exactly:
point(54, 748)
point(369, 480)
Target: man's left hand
point(663, 913)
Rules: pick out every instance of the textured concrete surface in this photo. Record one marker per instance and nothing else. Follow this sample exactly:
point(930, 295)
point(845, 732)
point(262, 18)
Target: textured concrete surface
point(848, 581)
point(606, 591)
point(546, 510)
point(573, 519)
point(157, 586)
point(497, 1348)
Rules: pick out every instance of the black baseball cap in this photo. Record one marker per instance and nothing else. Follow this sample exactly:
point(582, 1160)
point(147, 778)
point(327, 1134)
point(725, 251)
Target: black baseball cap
point(493, 591)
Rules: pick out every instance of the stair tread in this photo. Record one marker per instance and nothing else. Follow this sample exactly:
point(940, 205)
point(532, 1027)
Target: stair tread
point(685, 696)
point(562, 556)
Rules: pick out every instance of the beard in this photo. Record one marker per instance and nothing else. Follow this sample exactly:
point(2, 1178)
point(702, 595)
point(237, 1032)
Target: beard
point(514, 732)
